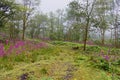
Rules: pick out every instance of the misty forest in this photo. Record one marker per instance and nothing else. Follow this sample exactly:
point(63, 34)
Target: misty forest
point(79, 42)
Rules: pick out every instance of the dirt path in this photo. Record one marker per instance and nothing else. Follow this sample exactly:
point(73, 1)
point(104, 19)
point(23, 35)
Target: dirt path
point(69, 72)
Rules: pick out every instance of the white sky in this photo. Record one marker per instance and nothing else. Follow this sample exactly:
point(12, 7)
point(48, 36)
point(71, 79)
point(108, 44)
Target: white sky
point(52, 5)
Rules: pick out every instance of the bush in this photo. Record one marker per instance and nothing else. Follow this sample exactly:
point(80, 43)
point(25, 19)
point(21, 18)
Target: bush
point(105, 66)
point(115, 51)
point(93, 48)
point(118, 62)
point(101, 64)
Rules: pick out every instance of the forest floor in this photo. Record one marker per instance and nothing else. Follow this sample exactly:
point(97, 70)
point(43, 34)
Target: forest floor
point(62, 61)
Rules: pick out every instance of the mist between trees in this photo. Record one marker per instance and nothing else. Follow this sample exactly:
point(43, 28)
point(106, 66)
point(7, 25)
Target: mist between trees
point(82, 21)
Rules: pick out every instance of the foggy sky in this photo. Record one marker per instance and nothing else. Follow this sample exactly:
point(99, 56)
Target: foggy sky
point(52, 5)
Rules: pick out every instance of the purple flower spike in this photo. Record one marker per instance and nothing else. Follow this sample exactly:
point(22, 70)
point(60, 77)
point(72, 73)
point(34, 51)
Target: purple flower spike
point(106, 57)
point(7, 41)
point(2, 51)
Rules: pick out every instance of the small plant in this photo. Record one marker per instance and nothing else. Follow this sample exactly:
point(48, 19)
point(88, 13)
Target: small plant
point(115, 51)
point(43, 71)
point(2, 51)
point(93, 48)
point(118, 62)
point(79, 59)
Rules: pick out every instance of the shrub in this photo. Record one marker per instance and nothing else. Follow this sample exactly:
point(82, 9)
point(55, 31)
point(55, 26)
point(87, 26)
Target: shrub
point(101, 64)
point(115, 51)
point(93, 48)
point(118, 62)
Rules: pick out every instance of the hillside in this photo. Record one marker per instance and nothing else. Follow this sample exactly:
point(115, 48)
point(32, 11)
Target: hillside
point(62, 61)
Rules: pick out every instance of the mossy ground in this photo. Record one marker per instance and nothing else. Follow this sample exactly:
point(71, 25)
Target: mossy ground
point(58, 61)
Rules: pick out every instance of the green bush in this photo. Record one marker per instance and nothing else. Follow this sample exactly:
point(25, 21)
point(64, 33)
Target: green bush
point(93, 48)
point(115, 51)
point(101, 64)
point(105, 66)
point(118, 62)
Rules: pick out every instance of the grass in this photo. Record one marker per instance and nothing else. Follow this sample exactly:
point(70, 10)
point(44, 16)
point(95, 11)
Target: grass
point(58, 62)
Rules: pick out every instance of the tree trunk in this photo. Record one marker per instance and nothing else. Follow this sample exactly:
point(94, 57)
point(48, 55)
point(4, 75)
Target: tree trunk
point(86, 34)
point(24, 26)
point(111, 36)
point(23, 35)
point(115, 32)
point(103, 37)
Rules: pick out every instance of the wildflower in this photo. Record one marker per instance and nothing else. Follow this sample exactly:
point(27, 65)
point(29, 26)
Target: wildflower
point(10, 49)
point(2, 51)
point(7, 41)
point(106, 57)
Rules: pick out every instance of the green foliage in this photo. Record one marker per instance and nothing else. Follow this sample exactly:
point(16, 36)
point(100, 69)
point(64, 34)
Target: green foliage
point(4, 63)
point(101, 64)
point(7, 10)
point(115, 51)
point(65, 43)
point(104, 65)
point(79, 59)
point(93, 48)
point(46, 78)
point(116, 63)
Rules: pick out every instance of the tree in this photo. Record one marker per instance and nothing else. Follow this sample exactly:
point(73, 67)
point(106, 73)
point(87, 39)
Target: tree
point(52, 26)
point(8, 18)
point(7, 9)
point(82, 14)
point(116, 23)
point(59, 24)
point(27, 9)
point(41, 24)
point(74, 18)
point(101, 12)
point(89, 7)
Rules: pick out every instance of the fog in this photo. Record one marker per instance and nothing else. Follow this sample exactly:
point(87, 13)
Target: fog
point(52, 5)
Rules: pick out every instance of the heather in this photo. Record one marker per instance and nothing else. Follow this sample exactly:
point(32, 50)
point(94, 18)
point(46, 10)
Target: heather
point(20, 47)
